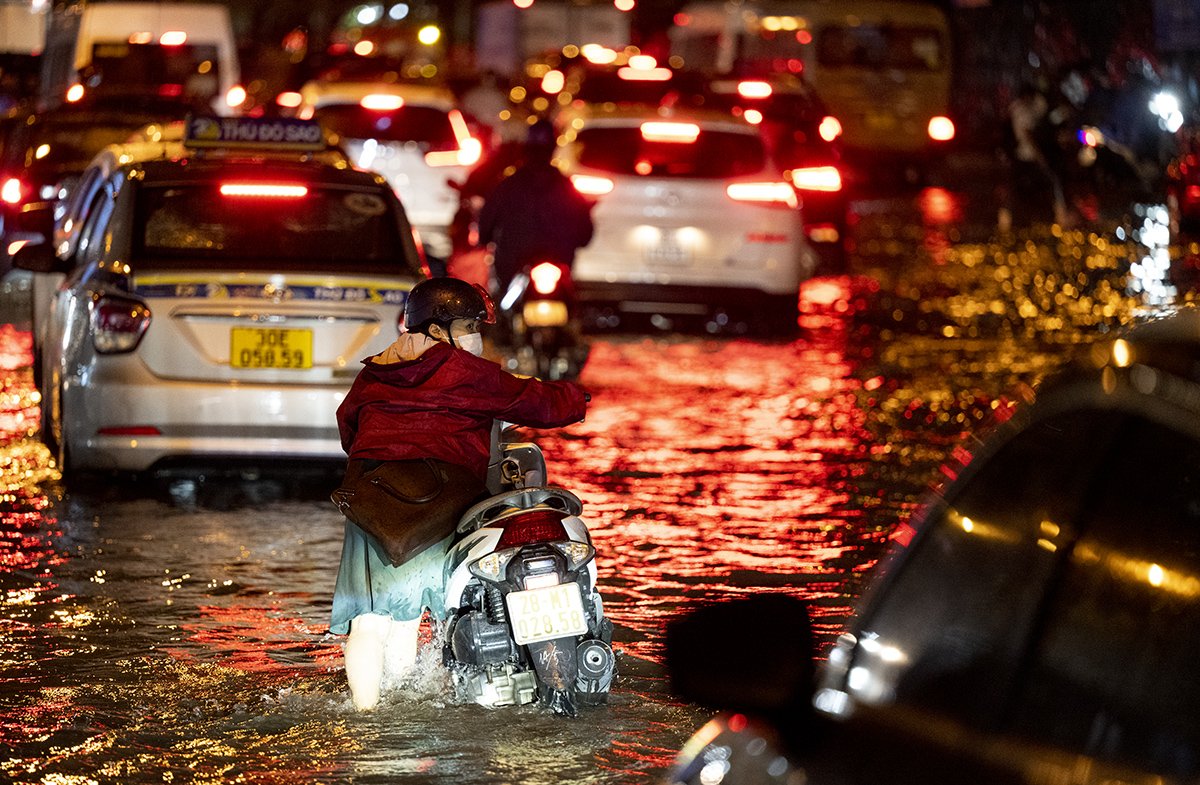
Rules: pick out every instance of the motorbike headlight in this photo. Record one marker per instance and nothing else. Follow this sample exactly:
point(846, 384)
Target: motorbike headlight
point(493, 566)
point(577, 553)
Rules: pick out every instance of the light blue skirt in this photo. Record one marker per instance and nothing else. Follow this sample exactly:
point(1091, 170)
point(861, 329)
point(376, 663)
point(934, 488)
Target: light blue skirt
point(368, 583)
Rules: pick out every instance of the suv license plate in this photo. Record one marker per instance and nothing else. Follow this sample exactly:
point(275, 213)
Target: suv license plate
point(542, 614)
point(270, 347)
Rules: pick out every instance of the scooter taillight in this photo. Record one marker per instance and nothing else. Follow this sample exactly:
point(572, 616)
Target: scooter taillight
point(533, 526)
point(545, 277)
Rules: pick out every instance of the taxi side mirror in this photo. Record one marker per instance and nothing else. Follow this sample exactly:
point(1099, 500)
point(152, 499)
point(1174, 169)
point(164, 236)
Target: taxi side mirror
point(750, 655)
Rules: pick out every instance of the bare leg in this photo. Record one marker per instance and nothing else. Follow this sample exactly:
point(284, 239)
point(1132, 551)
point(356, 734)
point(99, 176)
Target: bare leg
point(402, 646)
point(364, 658)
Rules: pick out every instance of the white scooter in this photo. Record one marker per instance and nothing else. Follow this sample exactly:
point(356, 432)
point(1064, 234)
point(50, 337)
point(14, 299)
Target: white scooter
point(525, 621)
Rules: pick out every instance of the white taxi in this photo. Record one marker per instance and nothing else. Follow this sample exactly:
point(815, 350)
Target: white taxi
point(412, 134)
point(217, 307)
point(692, 219)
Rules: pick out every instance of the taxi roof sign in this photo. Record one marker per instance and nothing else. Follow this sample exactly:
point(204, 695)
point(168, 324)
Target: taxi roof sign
point(275, 133)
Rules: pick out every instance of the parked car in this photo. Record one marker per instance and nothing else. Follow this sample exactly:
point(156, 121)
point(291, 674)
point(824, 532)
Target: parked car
point(64, 220)
point(412, 134)
point(216, 306)
point(1037, 627)
point(693, 219)
point(39, 150)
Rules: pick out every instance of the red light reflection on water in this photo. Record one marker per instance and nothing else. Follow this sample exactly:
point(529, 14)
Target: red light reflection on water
point(711, 469)
point(249, 637)
point(941, 210)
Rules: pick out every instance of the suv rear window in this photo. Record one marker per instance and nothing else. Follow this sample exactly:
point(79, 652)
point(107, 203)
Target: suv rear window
point(430, 128)
point(714, 154)
point(327, 229)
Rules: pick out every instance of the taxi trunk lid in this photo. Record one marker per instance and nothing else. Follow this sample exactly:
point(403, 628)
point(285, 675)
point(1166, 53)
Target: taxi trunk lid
point(266, 329)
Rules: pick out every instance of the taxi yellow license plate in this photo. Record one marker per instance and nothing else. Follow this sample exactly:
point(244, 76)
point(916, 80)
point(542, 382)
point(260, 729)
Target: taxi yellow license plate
point(550, 612)
point(270, 347)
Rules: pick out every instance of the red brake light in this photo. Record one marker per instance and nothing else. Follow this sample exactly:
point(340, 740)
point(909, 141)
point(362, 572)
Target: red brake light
point(265, 190)
point(754, 89)
point(381, 102)
point(941, 129)
point(660, 131)
point(830, 128)
point(545, 277)
point(469, 151)
point(817, 178)
point(130, 430)
point(777, 193)
point(656, 74)
point(591, 185)
point(118, 324)
point(533, 526)
point(12, 191)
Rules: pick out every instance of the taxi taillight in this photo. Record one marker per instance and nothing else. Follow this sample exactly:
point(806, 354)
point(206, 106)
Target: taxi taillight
point(264, 190)
point(777, 194)
point(118, 324)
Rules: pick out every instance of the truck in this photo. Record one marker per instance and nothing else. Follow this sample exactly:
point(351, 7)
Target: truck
point(169, 49)
point(507, 36)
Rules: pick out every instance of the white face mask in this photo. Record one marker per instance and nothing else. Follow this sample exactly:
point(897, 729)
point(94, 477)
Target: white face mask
point(471, 342)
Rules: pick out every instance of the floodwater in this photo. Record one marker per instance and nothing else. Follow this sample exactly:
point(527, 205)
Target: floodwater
point(179, 634)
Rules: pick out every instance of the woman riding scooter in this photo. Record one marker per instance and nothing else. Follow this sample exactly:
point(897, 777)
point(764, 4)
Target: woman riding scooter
point(428, 395)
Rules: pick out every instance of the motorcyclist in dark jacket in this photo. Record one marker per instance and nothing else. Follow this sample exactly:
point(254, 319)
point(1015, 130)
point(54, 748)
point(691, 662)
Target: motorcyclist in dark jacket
point(535, 213)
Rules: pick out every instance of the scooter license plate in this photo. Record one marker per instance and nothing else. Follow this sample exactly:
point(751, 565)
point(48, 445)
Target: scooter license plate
point(542, 614)
point(545, 313)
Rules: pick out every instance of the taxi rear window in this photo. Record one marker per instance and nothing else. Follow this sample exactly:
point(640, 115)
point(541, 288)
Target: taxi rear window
point(325, 229)
point(713, 154)
point(429, 128)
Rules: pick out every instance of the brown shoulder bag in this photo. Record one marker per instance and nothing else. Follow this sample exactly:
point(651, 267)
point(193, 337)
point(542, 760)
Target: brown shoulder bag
point(407, 506)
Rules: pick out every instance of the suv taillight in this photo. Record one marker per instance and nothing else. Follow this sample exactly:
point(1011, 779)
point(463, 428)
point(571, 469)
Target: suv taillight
point(773, 194)
point(118, 324)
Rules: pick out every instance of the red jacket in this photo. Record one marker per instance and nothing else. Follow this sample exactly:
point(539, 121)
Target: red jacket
point(441, 405)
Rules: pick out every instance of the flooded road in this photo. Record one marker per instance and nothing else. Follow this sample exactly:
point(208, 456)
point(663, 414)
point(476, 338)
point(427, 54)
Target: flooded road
point(168, 634)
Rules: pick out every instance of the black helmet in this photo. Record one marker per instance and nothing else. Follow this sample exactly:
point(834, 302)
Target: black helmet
point(442, 300)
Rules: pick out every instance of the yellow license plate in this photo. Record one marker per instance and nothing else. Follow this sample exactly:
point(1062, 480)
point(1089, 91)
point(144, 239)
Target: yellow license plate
point(545, 313)
point(270, 347)
point(542, 614)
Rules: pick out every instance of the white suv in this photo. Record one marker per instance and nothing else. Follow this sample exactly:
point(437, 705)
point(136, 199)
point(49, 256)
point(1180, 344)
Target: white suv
point(692, 218)
point(414, 135)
